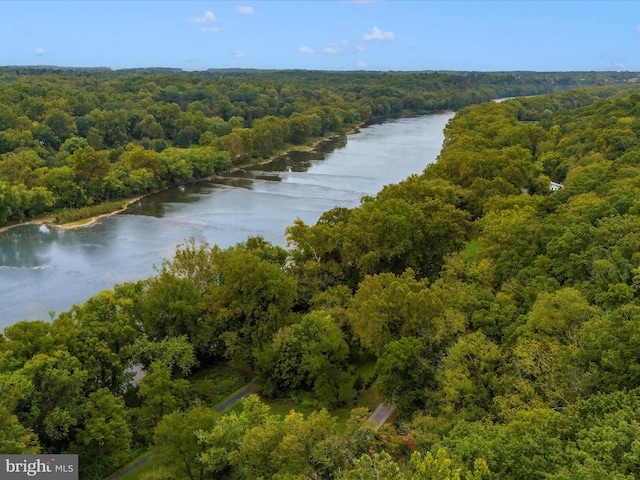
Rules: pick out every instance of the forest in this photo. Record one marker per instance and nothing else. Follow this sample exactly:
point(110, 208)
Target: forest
point(499, 317)
point(77, 142)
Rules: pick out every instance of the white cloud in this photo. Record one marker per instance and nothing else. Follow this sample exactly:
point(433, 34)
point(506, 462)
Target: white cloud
point(206, 18)
point(306, 50)
point(332, 49)
point(40, 51)
point(245, 10)
point(362, 64)
point(638, 29)
point(377, 34)
point(360, 49)
point(239, 54)
point(210, 29)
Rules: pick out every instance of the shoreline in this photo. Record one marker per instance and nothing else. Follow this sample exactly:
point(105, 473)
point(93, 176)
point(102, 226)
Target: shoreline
point(48, 221)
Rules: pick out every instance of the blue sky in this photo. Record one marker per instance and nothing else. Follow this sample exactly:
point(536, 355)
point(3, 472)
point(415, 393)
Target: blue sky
point(324, 35)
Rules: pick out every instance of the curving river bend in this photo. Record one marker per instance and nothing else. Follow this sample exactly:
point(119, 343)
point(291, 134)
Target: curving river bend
point(45, 271)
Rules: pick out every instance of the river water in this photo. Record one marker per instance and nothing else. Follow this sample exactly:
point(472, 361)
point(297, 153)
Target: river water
point(44, 271)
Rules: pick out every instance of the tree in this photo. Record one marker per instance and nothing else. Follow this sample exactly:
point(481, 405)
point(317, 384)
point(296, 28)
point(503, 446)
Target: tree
point(468, 377)
point(61, 123)
point(223, 440)
point(61, 183)
point(173, 303)
point(162, 395)
point(149, 127)
point(250, 304)
point(177, 443)
point(104, 438)
point(387, 307)
point(24, 340)
point(89, 169)
point(51, 395)
point(310, 357)
point(317, 256)
point(529, 446)
point(139, 158)
point(21, 167)
point(104, 336)
point(406, 374)
point(376, 466)
point(14, 438)
point(438, 467)
point(391, 235)
point(256, 444)
point(510, 239)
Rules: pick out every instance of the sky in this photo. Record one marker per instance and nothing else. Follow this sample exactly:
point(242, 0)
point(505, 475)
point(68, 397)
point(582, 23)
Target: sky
point(382, 35)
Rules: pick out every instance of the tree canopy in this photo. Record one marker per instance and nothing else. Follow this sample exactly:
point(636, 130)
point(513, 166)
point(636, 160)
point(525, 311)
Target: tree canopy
point(500, 317)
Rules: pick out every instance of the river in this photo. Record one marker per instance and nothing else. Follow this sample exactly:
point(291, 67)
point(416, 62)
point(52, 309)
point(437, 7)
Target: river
point(44, 271)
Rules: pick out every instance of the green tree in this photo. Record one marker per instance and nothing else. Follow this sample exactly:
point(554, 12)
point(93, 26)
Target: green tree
point(177, 444)
point(468, 378)
point(14, 438)
point(252, 301)
point(406, 374)
point(103, 440)
point(530, 446)
point(387, 307)
point(310, 356)
point(161, 395)
point(223, 440)
point(61, 123)
point(102, 339)
point(51, 393)
point(89, 169)
point(378, 466)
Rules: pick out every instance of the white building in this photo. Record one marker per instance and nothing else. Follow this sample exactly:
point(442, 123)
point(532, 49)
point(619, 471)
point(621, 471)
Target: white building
point(554, 187)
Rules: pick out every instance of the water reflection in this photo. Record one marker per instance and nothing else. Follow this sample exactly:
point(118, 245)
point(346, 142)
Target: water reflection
point(26, 247)
point(155, 205)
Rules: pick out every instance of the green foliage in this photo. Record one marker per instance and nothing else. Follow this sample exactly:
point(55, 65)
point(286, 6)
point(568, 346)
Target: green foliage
point(177, 446)
point(128, 133)
point(382, 465)
point(307, 357)
point(503, 317)
point(254, 444)
point(105, 437)
point(76, 214)
point(161, 396)
point(14, 438)
point(387, 307)
point(405, 374)
point(467, 377)
point(251, 303)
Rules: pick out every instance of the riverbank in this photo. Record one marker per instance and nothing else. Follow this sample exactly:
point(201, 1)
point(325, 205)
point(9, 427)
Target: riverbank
point(51, 269)
point(50, 220)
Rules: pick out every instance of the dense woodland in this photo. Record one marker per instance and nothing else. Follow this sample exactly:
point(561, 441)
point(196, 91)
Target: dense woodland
point(73, 139)
point(499, 317)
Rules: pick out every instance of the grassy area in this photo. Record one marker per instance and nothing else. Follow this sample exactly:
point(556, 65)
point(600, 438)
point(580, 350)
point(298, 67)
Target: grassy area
point(213, 384)
point(72, 215)
point(149, 471)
